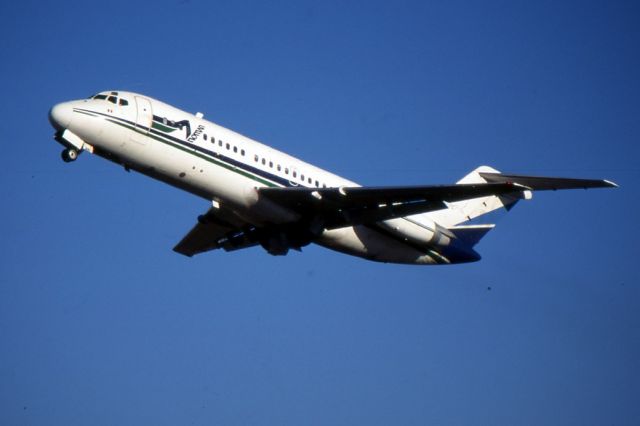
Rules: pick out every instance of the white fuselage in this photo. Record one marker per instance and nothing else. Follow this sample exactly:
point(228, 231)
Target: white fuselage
point(224, 167)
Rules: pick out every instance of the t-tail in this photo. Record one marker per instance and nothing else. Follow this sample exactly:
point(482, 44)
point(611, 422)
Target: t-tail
point(470, 220)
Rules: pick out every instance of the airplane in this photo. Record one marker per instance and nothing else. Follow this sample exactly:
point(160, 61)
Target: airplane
point(258, 195)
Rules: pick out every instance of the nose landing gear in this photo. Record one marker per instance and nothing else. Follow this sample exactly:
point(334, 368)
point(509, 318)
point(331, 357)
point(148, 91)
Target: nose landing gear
point(68, 155)
point(73, 145)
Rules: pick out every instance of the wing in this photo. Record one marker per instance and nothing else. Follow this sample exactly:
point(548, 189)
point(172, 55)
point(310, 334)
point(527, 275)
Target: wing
point(346, 206)
point(543, 183)
point(330, 208)
point(213, 232)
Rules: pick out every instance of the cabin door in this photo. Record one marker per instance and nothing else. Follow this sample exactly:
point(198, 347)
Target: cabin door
point(144, 118)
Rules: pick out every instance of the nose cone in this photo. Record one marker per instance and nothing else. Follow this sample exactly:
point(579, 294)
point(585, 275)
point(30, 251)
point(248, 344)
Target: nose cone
point(60, 116)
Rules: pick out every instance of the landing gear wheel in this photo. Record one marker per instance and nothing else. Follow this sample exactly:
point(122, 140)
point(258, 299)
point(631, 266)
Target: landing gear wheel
point(69, 155)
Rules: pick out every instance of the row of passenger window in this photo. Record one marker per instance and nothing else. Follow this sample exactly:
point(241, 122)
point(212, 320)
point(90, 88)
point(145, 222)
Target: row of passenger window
point(264, 162)
point(226, 145)
point(294, 173)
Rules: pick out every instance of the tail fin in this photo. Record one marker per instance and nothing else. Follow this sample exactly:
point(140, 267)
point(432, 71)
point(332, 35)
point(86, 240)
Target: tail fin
point(460, 212)
point(458, 215)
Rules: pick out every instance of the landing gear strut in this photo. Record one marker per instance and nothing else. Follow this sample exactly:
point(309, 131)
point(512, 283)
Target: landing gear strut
point(69, 155)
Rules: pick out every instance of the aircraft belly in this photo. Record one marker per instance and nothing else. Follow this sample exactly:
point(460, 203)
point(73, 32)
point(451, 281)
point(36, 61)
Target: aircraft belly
point(366, 242)
point(416, 233)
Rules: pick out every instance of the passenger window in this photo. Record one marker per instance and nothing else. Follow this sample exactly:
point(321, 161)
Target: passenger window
point(228, 146)
point(242, 152)
point(317, 184)
point(271, 164)
point(286, 170)
point(255, 158)
point(295, 174)
point(264, 161)
point(220, 142)
point(235, 149)
point(279, 167)
point(204, 136)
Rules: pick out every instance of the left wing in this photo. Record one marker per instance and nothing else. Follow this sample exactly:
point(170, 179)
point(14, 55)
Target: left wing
point(213, 232)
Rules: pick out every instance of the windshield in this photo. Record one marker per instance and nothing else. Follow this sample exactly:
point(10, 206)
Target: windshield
point(111, 97)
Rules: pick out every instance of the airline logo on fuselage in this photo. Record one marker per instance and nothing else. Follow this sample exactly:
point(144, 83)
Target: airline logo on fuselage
point(195, 134)
point(165, 125)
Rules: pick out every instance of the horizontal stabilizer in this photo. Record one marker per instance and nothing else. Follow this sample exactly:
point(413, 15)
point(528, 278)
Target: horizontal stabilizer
point(471, 234)
point(540, 183)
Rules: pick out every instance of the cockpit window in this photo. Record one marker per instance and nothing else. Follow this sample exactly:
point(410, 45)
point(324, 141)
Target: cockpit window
point(112, 97)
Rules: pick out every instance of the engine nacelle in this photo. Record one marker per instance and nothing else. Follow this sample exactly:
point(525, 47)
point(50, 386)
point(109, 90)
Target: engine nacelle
point(278, 240)
point(275, 244)
point(424, 234)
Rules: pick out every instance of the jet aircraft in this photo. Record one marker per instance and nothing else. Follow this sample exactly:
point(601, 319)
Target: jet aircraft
point(258, 195)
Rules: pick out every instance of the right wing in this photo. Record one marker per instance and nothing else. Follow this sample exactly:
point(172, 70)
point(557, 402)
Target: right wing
point(348, 206)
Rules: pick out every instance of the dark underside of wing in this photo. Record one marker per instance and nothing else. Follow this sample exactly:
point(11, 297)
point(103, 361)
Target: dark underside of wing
point(348, 206)
point(326, 208)
point(213, 232)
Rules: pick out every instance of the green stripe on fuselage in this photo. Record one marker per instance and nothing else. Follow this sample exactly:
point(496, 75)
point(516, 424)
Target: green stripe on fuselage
point(162, 127)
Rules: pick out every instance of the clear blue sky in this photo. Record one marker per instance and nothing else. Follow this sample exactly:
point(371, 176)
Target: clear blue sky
point(102, 324)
